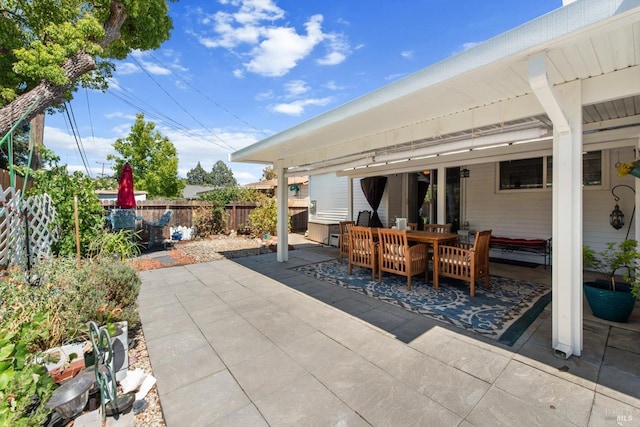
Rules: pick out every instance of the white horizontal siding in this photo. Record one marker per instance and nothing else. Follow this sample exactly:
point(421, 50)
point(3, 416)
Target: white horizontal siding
point(331, 195)
point(522, 214)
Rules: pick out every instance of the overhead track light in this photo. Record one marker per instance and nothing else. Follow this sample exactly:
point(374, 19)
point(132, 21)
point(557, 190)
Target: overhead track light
point(480, 142)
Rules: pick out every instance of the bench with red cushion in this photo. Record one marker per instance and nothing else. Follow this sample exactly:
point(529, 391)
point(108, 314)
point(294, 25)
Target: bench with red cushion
point(536, 246)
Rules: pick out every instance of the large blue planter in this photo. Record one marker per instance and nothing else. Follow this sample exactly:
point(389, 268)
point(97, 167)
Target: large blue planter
point(606, 304)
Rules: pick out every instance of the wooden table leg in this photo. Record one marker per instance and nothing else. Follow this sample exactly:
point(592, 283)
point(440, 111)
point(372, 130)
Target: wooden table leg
point(435, 265)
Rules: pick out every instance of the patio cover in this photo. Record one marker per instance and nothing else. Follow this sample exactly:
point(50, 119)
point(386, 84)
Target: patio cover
point(574, 70)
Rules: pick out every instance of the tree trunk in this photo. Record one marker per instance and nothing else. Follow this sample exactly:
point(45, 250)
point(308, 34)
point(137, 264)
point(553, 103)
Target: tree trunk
point(46, 93)
point(37, 136)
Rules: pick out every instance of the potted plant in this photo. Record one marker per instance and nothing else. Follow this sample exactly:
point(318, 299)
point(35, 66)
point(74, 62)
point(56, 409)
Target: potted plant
point(614, 297)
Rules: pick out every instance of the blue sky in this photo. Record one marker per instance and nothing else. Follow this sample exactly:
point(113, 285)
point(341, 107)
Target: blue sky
point(237, 71)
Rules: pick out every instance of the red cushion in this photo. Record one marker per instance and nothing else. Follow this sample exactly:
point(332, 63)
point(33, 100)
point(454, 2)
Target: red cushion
point(518, 242)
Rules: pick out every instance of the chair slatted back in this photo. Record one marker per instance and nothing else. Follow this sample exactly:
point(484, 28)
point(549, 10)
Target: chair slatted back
point(393, 249)
point(465, 264)
point(362, 249)
point(481, 248)
point(363, 218)
point(438, 228)
point(397, 257)
point(343, 238)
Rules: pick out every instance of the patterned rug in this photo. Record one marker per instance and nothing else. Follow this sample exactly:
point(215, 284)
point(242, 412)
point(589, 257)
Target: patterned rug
point(502, 312)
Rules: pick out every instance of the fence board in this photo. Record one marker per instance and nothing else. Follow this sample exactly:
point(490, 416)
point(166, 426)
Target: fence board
point(5, 180)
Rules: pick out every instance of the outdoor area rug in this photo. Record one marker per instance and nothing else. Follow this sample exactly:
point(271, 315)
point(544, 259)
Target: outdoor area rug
point(502, 312)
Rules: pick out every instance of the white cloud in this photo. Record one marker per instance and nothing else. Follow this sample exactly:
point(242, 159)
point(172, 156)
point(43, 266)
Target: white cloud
point(283, 48)
point(271, 50)
point(296, 108)
point(394, 76)
point(338, 50)
point(332, 85)
point(120, 115)
point(469, 45)
point(295, 88)
point(127, 68)
point(408, 54)
point(239, 74)
point(264, 95)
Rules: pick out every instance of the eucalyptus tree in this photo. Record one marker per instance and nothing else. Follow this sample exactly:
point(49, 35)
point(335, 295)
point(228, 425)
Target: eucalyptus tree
point(49, 48)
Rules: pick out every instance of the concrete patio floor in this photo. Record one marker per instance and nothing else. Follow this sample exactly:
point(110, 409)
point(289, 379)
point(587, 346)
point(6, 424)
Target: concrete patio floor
point(249, 342)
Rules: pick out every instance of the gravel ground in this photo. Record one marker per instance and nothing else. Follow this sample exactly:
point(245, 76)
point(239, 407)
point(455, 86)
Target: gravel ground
point(186, 252)
point(220, 247)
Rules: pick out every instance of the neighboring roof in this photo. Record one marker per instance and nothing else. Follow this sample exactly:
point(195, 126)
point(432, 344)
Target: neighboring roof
point(268, 184)
point(191, 191)
point(480, 91)
point(299, 203)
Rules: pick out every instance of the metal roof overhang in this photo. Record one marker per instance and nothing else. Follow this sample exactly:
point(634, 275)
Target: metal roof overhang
point(482, 91)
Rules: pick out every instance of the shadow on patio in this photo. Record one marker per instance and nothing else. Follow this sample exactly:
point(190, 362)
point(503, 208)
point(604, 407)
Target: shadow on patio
point(610, 354)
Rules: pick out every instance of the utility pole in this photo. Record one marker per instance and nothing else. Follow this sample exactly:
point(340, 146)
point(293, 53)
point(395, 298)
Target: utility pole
point(102, 163)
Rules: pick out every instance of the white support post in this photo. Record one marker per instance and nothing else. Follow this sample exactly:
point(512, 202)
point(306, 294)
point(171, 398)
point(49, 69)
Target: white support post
point(282, 196)
point(565, 110)
point(441, 196)
point(350, 199)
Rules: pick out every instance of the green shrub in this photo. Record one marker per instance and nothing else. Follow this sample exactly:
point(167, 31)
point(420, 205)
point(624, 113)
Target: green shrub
point(56, 181)
point(124, 243)
point(264, 218)
point(25, 386)
point(104, 290)
point(223, 196)
point(208, 221)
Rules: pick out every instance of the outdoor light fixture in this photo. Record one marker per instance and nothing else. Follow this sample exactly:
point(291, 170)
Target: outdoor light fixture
point(464, 173)
point(616, 218)
point(433, 148)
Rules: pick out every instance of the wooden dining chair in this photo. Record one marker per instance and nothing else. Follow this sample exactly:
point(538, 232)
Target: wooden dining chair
point(397, 257)
point(343, 239)
point(465, 261)
point(363, 218)
point(412, 226)
point(363, 250)
point(438, 228)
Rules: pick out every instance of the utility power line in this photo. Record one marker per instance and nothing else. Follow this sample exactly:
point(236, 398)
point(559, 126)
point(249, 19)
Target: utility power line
point(180, 105)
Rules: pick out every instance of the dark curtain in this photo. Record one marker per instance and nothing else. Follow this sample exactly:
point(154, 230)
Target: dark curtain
point(373, 188)
point(422, 192)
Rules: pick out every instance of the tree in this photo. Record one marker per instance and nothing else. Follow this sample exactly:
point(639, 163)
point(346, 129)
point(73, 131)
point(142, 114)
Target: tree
point(19, 146)
point(152, 157)
point(197, 175)
point(48, 48)
point(62, 186)
point(269, 173)
point(222, 176)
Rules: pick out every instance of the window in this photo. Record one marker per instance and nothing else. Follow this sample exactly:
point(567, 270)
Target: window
point(537, 172)
point(521, 174)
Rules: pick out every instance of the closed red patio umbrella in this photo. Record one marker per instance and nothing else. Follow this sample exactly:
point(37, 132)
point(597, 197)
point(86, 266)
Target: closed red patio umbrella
point(126, 197)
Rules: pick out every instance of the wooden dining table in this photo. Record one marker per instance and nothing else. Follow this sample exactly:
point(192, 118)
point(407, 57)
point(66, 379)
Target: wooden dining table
point(429, 237)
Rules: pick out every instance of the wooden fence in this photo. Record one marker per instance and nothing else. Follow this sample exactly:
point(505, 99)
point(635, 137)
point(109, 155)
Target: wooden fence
point(237, 212)
point(5, 180)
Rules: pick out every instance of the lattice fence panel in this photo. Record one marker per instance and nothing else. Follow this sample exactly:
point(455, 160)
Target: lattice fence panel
point(40, 214)
point(21, 218)
point(12, 248)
